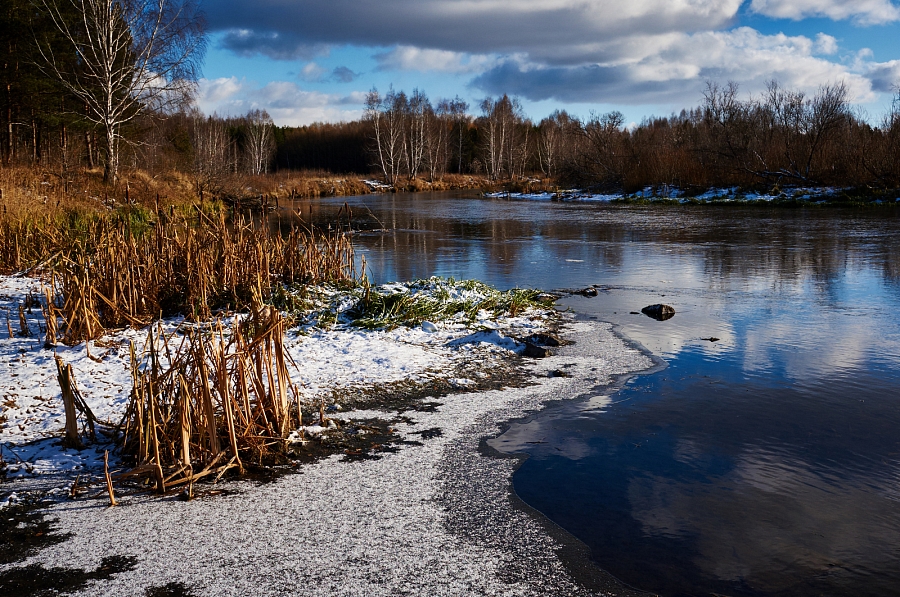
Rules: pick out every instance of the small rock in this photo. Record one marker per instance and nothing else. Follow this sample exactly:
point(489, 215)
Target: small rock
point(659, 312)
point(544, 340)
point(589, 292)
point(558, 373)
point(545, 298)
point(536, 352)
point(429, 327)
point(710, 339)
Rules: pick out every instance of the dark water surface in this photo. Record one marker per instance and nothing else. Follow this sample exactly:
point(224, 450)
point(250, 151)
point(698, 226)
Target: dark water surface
point(765, 463)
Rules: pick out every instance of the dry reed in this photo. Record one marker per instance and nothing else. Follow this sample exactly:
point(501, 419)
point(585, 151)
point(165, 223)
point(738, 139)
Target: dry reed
point(213, 403)
point(128, 270)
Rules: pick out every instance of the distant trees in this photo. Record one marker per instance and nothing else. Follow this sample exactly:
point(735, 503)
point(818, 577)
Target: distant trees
point(782, 136)
point(212, 147)
point(505, 136)
point(387, 117)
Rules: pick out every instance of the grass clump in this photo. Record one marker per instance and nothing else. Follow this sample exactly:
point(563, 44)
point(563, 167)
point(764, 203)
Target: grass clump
point(393, 305)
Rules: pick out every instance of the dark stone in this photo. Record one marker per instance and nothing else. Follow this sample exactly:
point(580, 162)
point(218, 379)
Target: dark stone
point(659, 312)
point(710, 339)
point(558, 373)
point(590, 292)
point(544, 340)
point(536, 352)
point(173, 589)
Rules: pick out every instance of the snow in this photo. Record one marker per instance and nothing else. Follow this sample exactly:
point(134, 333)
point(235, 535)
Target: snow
point(565, 196)
point(433, 518)
point(376, 185)
point(430, 519)
point(725, 194)
point(330, 361)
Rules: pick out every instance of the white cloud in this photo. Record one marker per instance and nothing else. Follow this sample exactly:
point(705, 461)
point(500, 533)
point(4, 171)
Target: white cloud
point(218, 90)
point(409, 58)
point(672, 68)
point(885, 76)
point(826, 44)
point(312, 72)
point(863, 12)
point(286, 103)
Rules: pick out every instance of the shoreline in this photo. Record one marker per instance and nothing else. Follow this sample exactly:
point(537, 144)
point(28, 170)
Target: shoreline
point(459, 502)
point(574, 553)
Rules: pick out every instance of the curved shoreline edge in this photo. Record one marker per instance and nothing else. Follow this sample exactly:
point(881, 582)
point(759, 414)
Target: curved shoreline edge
point(574, 554)
point(432, 519)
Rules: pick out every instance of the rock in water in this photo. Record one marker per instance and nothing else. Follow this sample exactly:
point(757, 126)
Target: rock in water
point(659, 312)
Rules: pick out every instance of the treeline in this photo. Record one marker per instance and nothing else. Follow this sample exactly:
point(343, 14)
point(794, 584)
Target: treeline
point(783, 136)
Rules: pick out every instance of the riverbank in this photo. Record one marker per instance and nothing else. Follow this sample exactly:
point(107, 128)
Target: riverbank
point(776, 196)
point(434, 517)
point(424, 513)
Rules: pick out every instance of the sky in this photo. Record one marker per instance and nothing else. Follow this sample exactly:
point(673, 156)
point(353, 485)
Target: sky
point(308, 61)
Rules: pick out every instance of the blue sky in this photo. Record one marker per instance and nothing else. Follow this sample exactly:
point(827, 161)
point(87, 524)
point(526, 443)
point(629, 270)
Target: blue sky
point(308, 60)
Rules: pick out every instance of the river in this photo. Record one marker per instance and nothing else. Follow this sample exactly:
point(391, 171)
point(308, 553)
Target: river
point(762, 457)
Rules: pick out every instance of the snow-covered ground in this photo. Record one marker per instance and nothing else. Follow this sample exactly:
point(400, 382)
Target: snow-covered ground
point(331, 361)
point(431, 519)
point(731, 194)
point(436, 517)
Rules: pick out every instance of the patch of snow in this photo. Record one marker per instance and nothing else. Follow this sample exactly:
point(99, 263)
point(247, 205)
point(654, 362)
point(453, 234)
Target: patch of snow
point(429, 519)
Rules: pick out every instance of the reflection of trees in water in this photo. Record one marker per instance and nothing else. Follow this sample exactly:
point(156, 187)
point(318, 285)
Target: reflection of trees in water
point(890, 263)
point(790, 248)
point(779, 245)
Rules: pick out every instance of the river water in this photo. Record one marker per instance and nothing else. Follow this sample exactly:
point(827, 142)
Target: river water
point(762, 457)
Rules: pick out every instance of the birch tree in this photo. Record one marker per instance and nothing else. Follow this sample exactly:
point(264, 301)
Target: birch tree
point(133, 55)
point(210, 142)
point(387, 115)
point(260, 141)
point(417, 109)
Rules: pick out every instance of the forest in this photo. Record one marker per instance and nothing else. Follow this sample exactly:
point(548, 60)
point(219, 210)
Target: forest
point(52, 118)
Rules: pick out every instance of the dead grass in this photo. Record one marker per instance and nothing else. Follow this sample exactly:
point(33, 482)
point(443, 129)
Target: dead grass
point(215, 401)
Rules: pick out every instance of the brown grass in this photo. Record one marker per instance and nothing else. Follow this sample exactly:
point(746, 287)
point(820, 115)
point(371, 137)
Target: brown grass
point(113, 276)
point(216, 404)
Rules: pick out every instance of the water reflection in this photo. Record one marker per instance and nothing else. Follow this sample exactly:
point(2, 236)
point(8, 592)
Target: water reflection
point(767, 463)
point(566, 242)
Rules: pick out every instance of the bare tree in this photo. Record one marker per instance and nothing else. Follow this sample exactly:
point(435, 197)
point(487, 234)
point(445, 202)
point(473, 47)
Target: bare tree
point(133, 55)
point(600, 158)
point(806, 125)
point(260, 141)
point(437, 139)
point(501, 116)
point(210, 142)
point(461, 120)
point(387, 116)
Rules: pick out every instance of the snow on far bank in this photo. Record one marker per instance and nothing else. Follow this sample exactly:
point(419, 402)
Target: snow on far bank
point(330, 360)
point(564, 196)
point(671, 193)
